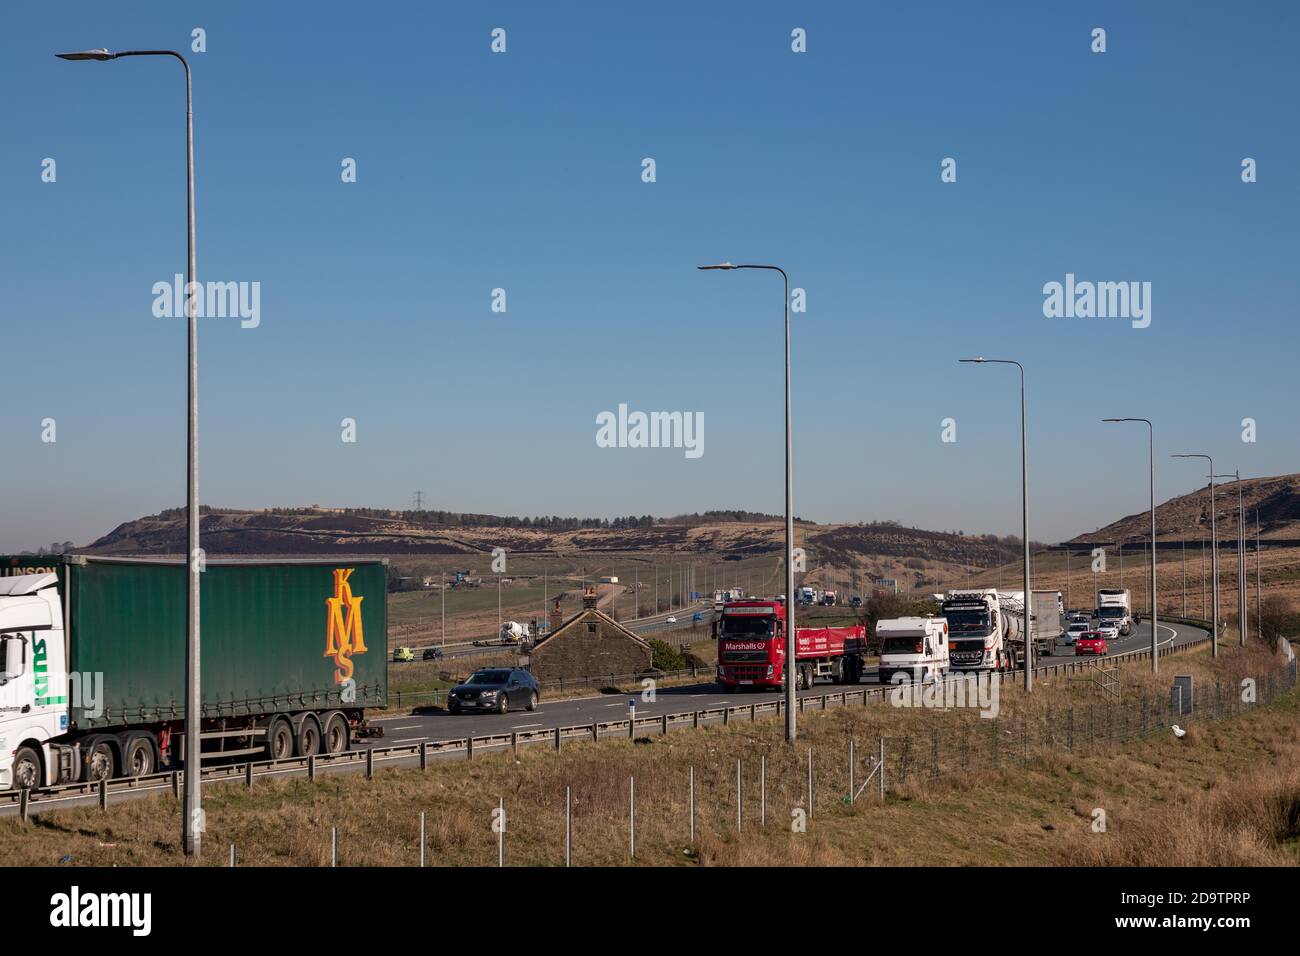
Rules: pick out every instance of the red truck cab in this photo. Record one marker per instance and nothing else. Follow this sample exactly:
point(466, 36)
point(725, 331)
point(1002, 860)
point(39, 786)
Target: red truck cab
point(752, 648)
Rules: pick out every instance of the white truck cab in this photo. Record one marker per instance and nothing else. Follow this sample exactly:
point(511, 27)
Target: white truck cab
point(914, 646)
point(33, 678)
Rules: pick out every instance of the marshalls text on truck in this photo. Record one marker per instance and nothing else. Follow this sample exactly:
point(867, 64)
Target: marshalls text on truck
point(293, 653)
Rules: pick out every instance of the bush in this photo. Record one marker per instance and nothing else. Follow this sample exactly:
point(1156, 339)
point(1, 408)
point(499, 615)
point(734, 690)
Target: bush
point(666, 656)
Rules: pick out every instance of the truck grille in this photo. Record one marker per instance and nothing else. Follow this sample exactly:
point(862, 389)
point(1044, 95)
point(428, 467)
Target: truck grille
point(746, 671)
point(744, 656)
point(967, 657)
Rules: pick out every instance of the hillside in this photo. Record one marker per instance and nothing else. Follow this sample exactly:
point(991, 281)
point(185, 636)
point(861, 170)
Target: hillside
point(834, 551)
point(1188, 516)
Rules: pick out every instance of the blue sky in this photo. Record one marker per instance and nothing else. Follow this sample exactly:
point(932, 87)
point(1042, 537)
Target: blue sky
point(522, 171)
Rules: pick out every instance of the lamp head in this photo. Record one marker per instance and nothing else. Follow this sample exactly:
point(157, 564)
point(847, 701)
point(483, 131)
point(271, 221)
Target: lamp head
point(100, 54)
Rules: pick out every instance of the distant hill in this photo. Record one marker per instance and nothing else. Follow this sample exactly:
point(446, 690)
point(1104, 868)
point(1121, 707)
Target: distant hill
point(1188, 516)
point(883, 548)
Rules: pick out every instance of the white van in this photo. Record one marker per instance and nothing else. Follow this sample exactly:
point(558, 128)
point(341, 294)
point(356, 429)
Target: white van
point(915, 646)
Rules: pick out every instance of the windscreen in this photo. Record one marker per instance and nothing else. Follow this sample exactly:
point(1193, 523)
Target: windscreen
point(748, 626)
point(972, 623)
point(901, 645)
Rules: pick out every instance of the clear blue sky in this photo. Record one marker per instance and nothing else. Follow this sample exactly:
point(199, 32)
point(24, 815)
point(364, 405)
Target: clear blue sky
point(523, 171)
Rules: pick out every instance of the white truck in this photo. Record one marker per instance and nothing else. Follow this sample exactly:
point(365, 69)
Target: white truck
point(512, 632)
point(982, 632)
point(1115, 606)
point(913, 646)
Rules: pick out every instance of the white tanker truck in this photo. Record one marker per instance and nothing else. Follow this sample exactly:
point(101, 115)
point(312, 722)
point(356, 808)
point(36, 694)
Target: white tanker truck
point(985, 629)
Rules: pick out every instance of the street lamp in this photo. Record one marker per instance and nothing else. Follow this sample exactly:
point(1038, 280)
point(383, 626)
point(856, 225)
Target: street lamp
point(1024, 517)
point(1214, 556)
point(191, 825)
point(1241, 557)
point(790, 701)
point(1155, 657)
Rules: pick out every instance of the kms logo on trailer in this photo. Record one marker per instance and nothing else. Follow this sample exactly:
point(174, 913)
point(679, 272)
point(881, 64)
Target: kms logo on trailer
point(345, 635)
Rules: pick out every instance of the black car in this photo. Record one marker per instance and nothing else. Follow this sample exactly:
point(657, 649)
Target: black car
point(432, 654)
point(495, 689)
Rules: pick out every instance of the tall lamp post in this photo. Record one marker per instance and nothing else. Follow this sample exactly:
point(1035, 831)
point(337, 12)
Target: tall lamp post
point(1155, 657)
point(191, 825)
point(1241, 558)
point(1214, 557)
point(790, 702)
point(1024, 518)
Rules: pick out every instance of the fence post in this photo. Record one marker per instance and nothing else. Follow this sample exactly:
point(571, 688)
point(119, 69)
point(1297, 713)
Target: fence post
point(631, 815)
point(469, 747)
point(514, 741)
point(421, 839)
point(248, 775)
point(692, 803)
point(762, 790)
point(753, 712)
point(233, 857)
point(595, 732)
point(726, 715)
point(882, 769)
point(424, 755)
point(103, 794)
point(739, 798)
point(501, 831)
point(176, 785)
point(568, 828)
point(23, 796)
point(810, 782)
point(370, 763)
point(851, 787)
point(697, 720)
point(664, 725)
point(557, 738)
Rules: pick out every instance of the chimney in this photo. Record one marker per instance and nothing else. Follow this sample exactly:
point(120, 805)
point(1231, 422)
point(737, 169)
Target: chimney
point(589, 599)
point(556, 617)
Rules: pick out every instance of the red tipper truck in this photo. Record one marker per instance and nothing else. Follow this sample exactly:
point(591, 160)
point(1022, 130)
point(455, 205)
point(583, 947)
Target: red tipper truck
point(752, 648)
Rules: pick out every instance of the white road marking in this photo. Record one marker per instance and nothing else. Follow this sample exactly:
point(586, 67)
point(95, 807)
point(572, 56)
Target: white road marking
point(408, 740)
point(522, 726)
point(407, 727)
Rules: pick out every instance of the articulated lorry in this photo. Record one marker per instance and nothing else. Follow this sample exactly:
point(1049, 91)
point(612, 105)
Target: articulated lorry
point(1115, 606)
point(752, 649)
point(92, 662)
point(983, 633)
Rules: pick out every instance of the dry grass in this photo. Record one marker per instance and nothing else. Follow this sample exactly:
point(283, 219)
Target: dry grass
point(1225, 794)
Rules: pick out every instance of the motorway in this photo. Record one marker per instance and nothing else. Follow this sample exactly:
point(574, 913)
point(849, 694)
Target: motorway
point(440, 725)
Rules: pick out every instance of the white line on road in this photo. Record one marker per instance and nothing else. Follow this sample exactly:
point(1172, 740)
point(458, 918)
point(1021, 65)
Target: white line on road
point(522, 726)
point(407, 727)
point(408, 740)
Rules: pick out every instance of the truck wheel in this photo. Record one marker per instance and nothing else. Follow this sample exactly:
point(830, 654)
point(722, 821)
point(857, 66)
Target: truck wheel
point(337, 737)
point(27, 769)
point(308, 737)
point(279, 739)
point(99, 762)
point(138, 756)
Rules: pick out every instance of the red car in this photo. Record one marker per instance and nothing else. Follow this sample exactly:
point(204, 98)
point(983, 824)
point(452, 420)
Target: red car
point(1090, 642)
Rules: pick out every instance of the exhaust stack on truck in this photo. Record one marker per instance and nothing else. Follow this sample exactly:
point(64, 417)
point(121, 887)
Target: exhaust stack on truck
point(92, 662)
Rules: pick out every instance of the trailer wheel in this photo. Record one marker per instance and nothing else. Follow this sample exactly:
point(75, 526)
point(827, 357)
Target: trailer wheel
point(100, 761)
point(279, 739)
point(308, 737)
point(139, 759)
point(27, 774)
point(337, 737)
